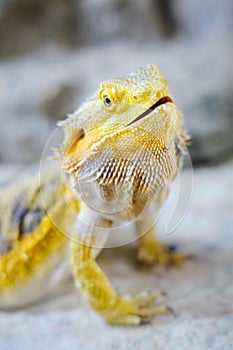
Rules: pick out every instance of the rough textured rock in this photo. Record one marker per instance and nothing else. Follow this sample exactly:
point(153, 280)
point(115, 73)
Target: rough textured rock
point(200, 291)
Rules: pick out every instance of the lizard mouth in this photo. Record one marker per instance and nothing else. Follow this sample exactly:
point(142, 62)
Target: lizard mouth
point(160, 102)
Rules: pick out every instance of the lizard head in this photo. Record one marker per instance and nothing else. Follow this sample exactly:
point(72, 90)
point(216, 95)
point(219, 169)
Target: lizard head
point(123, 116)
point(139, 102)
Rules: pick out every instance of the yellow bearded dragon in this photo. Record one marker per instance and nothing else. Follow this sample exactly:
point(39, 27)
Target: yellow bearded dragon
point(122, 149)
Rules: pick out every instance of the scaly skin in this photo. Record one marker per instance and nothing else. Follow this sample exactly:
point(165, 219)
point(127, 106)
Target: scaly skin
point(122, 149)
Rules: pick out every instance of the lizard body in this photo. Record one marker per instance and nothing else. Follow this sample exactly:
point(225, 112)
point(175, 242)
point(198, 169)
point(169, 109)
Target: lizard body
point(122, 149)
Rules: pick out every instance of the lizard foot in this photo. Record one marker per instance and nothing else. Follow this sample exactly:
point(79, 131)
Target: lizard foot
point(154, 252)
point(136, 310)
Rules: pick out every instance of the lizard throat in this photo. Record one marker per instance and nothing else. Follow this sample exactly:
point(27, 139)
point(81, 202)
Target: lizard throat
point(160, 102)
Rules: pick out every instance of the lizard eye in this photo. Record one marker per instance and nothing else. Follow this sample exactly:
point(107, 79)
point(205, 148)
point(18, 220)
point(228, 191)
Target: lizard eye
point(107, 101)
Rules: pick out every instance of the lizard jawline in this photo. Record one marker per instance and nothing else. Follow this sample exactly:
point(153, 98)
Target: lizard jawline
point(160, 102)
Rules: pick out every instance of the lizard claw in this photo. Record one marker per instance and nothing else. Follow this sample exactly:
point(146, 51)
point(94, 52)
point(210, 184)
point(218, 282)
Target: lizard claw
point(136, 310)
point(165, 255)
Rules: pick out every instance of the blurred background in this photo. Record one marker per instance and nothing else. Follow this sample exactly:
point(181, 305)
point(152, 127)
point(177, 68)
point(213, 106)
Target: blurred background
point(53, 54)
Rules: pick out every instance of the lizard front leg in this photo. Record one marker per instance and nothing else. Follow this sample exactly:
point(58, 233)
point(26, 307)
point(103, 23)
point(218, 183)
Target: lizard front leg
point(98, 291)
point(151, 250)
